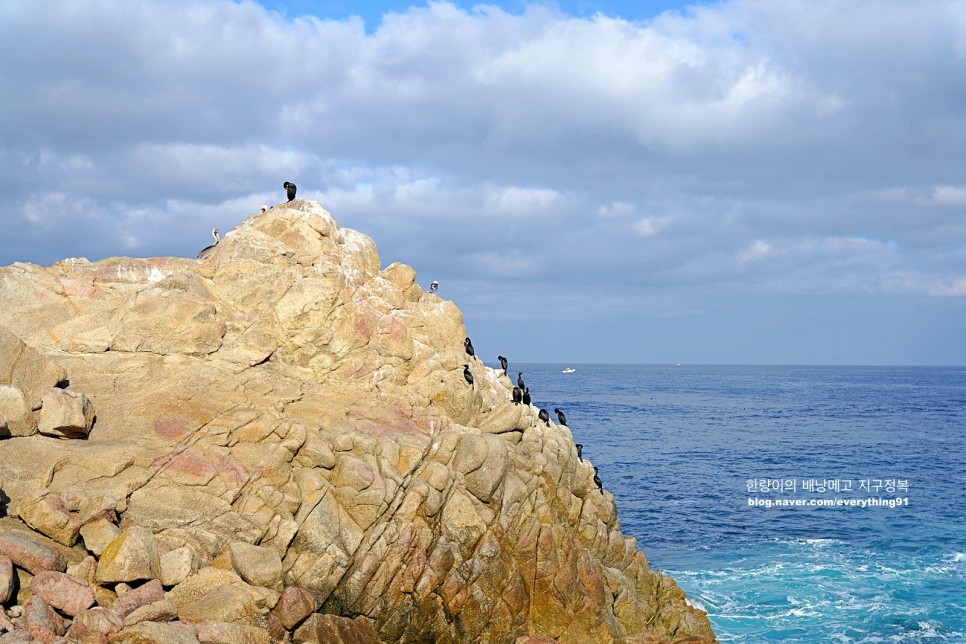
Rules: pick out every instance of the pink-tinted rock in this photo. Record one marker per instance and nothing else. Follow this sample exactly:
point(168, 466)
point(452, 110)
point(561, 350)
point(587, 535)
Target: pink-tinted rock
point(40, 619)
point(293, 606)
point(143, 595)
point(6, 579)
point(62, 591)
point(18, 637)
point(163, 610)
point(30, 553)
point(275, 629)
point(97, 620)
point(5, 624)
point(357, 453)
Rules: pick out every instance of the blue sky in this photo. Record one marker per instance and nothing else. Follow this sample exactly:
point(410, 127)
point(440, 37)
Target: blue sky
point(373, 12)
point(744, 181)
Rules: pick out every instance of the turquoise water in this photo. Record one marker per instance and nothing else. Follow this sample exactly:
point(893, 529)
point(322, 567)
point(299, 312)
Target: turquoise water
point(682, 446)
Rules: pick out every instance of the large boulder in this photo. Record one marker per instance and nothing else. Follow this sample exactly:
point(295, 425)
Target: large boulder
point(284, 436)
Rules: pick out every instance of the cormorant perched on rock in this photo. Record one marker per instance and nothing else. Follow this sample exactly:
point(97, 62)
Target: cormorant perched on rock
point(526, 396)
point(503, 363)
point(517, 396)
point(467, 374)
point(598, 481)
point(206, 252)
point(580, 450)
point(469, 347)
point(434, 287)
point(520, 381)
point(561, 419)
point(544, 415)
point(289, 190)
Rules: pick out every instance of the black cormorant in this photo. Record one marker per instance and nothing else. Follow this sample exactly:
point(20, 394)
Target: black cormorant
point(580, 450)
point(467, 374)
point(561, 419)
point(469, 347)
point(526, 396)
point(520, 381)
point(503, 363)
point(517, 395)
point(598, 482)
point(544, 415)
point(289, 190)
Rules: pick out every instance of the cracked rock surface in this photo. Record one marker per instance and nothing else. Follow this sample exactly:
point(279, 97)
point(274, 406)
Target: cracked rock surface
point(265, 442)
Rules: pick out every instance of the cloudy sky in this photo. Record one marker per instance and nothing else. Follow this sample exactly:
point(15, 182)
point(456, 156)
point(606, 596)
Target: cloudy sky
point(746, 181)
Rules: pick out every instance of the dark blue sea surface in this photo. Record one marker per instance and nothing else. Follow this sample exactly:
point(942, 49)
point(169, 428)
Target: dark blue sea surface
point(686, 450)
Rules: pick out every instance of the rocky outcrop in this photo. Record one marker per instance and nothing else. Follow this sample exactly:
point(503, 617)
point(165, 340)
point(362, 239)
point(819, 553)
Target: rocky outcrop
point(277, 443)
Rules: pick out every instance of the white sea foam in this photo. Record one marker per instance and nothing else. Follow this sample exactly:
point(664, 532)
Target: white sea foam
point(695, 603)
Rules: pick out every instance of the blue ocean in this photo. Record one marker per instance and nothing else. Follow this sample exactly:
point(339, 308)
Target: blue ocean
point(746, 484)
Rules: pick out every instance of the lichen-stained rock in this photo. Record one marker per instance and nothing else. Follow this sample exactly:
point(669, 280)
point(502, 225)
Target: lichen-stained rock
point(132, 556)
point(284, 435)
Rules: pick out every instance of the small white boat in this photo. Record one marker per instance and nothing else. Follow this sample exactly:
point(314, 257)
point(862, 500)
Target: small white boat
point(568, 370)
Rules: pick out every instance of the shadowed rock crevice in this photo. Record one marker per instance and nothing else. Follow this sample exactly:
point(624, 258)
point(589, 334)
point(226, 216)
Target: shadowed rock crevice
point(285, 436)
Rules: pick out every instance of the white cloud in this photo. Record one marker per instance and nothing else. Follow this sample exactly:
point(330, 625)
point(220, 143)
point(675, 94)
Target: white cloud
point(949, 195)
point(520, 201)
point(616, 209)
point(759, 249)
point(788, 146)
point(650, 226)
point(949, 287)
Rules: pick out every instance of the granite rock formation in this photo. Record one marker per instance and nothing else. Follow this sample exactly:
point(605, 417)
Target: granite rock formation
point(278, 444)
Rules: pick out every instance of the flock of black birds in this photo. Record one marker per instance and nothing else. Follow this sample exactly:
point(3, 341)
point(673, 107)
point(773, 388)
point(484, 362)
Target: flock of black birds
point(521, 395)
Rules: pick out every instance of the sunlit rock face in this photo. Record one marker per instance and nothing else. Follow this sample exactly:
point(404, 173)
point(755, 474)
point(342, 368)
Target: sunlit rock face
point(282, 432)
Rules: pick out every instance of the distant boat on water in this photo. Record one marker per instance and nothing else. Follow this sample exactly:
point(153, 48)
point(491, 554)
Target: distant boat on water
point(568, 370)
